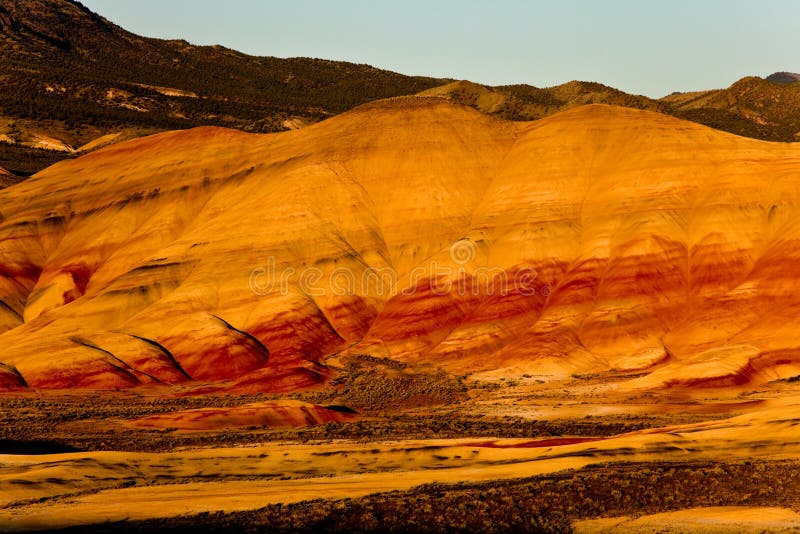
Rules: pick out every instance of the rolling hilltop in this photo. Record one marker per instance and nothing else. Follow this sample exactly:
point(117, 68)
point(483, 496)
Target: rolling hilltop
point(766, 109)
point(525, 102)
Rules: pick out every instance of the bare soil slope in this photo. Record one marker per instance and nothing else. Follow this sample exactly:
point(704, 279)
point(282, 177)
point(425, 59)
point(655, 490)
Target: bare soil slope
point(627, 240)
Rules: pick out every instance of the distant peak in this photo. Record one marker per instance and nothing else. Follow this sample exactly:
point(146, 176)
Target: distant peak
point(403, 103)
point(784, 77)
point(458, 85)
point(582, 85)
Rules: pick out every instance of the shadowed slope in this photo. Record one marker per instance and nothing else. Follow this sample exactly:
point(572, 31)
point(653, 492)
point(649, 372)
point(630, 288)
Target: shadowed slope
point(629, 240)
point(754, 107)
point(7, 178)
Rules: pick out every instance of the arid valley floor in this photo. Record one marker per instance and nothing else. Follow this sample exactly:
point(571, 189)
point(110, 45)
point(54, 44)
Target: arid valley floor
point(578, 453)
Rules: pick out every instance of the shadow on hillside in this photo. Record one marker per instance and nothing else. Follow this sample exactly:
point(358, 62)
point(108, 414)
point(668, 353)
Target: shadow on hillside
point(13, 446)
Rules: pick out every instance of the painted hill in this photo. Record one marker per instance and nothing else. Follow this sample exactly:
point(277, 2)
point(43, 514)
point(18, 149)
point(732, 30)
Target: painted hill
point(600, 238)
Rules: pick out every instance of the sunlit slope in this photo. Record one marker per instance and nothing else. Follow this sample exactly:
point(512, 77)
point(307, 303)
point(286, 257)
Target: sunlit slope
point(628, 240)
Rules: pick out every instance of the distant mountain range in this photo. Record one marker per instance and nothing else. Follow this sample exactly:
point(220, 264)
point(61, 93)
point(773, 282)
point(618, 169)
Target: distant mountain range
point(751, 107)
point(525, 102)
point(73, 81)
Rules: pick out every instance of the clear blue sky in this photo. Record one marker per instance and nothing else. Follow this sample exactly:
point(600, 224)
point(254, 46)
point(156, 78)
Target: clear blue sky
point(641, 46)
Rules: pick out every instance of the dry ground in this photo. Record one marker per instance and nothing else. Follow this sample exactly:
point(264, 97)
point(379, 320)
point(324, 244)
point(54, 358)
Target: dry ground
point(96, 462)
